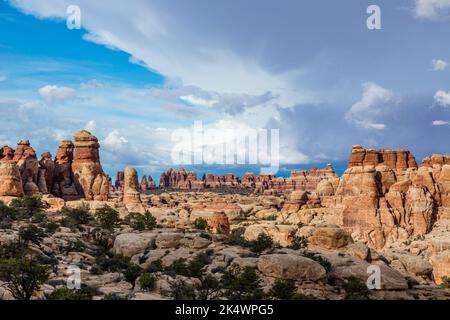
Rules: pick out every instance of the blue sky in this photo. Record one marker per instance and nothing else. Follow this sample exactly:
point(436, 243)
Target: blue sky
point(312, 69)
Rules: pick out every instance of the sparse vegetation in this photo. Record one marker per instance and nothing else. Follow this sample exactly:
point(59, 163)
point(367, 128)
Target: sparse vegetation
point(68, 294)
point(107, 218)
point(263, 242)
point(31, 234)
point(298, 242)
point(445, 282)
point(355, 289)
point(201, 224)
point(22, 276)
point(241, 284)
point(26, 207)
point(147, 281)
point(283, 289)
point(141, 222)
point(74, 218)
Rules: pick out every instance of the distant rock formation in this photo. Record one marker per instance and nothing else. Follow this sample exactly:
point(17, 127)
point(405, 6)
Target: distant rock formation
point(399, 160)
point(131, 187)
point(147, 184)
point(64, 181)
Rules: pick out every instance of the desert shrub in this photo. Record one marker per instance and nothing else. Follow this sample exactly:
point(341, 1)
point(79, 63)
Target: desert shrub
point(51, 227)
point(68, 294)
point(74, 218)
point(31, 234)
point(179, 267)
point(180, 290)
point(131, 273)
point(116, 263)
point(298, 242)
point(263, 242)
point(322, 261)
point(147, 281)
point(201, 224)
point(155, 266)
point(283, 289)
point(236, 238)
point(39, 217)
point(7, 214)
point(107, 218)
point(26, 207)
point(208, 289)
point(355, 289)
point(445, 282)
point(11, 250)
point(141, 222)
point(22, 276)
point(75, 246)
point(271, 218)
point(241, 284)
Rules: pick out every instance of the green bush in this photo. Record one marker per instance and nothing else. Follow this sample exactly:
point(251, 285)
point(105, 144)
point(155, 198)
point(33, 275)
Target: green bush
point(241, 284)
point(192, 269)
point(201, 224)
point(74, 218)
point(27, 207)
point(147, 281)
point(180, 290)
point(107, 218)
point(22, 276)
point(322, 261)
point(445, 282)
point(51, 227)
point(31, 234)
point(11, 250)
point(141, 222)
point(131, 273)
point(7, 214)
point(112, 296)
point(236, 238)
point(298, 242)
point(116, 263)
point(263, 242)
point(208, 289)
point(68, 294)
point(355, 289)
point(283, 289)
point(155, 266)
point(75, 246)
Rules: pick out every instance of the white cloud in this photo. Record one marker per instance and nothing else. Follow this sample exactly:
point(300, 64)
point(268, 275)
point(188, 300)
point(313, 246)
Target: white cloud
point(192, 99)
point(90, 126)
point(159, 38)
point(375, 102)
point(439, 65)
point(442, 98)
point(55, 93)
point(440, 123)
point(115, 141)
point(432, 9)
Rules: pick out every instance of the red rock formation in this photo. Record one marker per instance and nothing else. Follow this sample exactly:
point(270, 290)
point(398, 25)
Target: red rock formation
point(26, 159)
point(143, 186)
point(399, 160)
point(248, 180)
point(6, 153)
point(92, 182)
point(131, 187)
point(178, 179)
point(120, 176)
point(46, 173)
point(64, 180)
point(218, 221)
point(10, 179)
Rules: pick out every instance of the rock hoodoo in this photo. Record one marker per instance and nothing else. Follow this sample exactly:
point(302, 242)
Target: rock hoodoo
point(131, 187)
point(92, 181)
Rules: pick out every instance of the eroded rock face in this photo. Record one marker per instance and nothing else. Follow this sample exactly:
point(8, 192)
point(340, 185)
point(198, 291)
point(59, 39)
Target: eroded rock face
point(219, 222)
point(26, 159)
point(64, 180)
point(91, 180)
point(399, 160)
point(131, 187)
point(46, 173)
point(10, 179)
point(290, 266)
point(330, 237)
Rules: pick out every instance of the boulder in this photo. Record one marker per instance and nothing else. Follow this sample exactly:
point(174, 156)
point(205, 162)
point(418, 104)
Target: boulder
point(290, 266)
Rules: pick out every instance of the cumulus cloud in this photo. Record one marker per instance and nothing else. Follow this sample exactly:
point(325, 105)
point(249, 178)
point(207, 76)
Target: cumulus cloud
point(432, 9)
point(90, 126)
point(440, 123)
point(375, 102)
point(442, 98)
point(439, 65)
point(115, 141)
point(53, 93)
